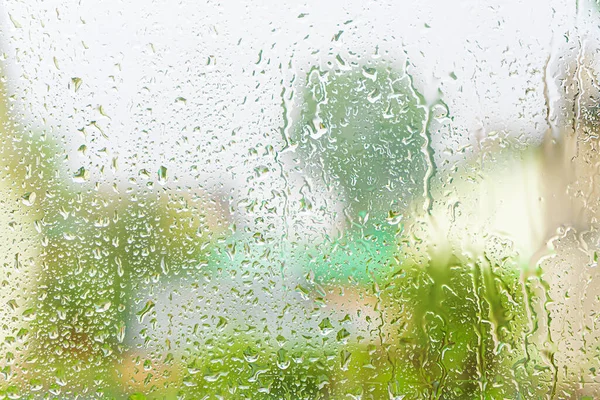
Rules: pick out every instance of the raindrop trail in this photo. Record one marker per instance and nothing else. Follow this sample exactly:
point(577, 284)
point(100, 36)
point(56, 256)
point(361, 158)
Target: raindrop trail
point(426, 149)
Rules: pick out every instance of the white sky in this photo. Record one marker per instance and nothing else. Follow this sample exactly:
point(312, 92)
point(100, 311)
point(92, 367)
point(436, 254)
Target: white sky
point(142, 55)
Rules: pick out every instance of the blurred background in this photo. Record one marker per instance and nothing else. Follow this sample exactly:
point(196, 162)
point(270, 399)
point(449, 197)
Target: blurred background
point(299, 200)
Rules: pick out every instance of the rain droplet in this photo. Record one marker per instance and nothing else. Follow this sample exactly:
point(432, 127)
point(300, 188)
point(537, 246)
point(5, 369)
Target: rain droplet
point(162, 175)
point(81, 176)
point(76, 83)
point(29, 198)
point(145, 311)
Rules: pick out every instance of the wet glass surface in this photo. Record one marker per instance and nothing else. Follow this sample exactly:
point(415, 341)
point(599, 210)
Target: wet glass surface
point(299, 200)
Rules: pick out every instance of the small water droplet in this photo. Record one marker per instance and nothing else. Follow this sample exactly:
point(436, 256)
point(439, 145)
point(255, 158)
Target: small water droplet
point(81, 176)
point(162, 175)
point(29, 198)
point(145, 311)
point(326, 326)
point(76, 83)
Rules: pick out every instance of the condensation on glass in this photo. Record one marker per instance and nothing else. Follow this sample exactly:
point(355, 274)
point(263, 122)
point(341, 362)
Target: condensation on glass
point(299, 200)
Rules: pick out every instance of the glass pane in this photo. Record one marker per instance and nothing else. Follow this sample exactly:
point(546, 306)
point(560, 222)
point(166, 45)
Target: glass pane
point(299, 200)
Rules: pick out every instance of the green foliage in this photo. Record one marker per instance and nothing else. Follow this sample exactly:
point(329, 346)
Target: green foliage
point(96, 257)
point(363, 132)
